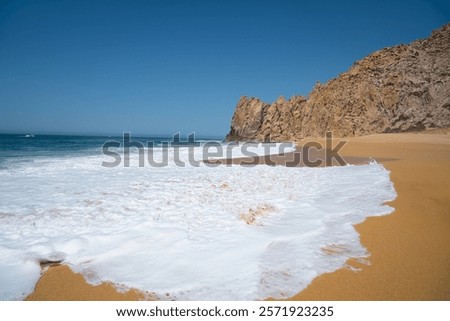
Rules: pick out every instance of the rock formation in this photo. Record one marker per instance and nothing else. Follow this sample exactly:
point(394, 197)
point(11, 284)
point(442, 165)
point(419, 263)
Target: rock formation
point(396, 89)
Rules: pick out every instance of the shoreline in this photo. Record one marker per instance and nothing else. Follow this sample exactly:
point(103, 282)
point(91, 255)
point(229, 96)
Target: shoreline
point(410, 248)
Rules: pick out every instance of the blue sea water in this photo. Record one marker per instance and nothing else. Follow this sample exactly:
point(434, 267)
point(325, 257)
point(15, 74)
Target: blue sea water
point(19, 148)
point(28, 145)
point(177, 229)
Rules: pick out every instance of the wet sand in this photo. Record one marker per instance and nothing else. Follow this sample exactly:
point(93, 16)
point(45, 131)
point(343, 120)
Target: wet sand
point(59, 282)
point(410, 249)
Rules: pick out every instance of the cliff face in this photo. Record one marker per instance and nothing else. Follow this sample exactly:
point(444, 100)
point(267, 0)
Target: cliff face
point(402, 88)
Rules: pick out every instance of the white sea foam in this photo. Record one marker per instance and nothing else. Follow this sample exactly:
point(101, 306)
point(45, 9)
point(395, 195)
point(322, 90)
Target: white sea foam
point(183, 231)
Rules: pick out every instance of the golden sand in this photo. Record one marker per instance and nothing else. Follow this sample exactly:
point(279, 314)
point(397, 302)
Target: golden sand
point(60, 283)
point(410, 249)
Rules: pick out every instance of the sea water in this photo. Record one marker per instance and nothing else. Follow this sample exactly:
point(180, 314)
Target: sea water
point(192, 232)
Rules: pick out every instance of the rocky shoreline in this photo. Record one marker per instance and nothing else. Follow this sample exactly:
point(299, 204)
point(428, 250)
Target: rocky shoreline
point(396, 89)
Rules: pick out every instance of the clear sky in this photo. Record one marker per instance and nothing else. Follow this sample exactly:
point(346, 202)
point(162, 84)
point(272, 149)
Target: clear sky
point(159, 67)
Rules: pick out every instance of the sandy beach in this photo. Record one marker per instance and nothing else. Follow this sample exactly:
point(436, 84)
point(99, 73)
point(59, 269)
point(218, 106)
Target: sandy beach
point(410, 249)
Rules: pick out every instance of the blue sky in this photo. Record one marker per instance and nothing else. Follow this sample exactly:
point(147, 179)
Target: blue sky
point(159, 67)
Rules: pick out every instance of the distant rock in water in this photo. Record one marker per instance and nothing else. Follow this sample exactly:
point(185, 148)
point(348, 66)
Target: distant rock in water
point(396, 89)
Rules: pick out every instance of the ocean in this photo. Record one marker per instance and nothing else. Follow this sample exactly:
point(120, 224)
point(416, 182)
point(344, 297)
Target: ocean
point(194, 231)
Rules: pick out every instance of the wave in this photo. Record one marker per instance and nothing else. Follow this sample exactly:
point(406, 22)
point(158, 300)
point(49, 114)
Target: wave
point(197, 233)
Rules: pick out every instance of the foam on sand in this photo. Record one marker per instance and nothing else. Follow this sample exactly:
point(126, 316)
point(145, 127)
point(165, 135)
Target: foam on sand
point(181, 230)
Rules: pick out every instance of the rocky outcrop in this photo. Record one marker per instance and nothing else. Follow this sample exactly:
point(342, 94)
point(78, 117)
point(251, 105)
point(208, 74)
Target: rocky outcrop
point(396, 89)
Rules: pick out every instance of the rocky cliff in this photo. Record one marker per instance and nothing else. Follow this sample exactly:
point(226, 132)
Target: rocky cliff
point(401, 88)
